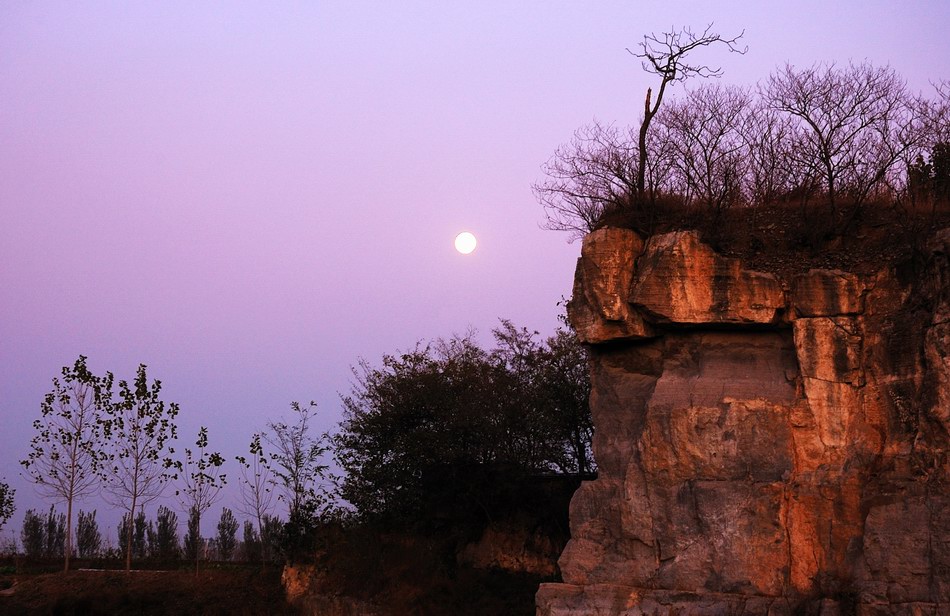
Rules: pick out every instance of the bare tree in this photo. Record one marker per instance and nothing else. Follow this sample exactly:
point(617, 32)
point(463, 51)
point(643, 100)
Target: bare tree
point(296, 455)
point(66, 457)
point(768, 157)
point(850, 122)
point(593, 174)
point(934, 114)
point(665, 55)
point(201, 479)
point(705, 135)
point(139, 427)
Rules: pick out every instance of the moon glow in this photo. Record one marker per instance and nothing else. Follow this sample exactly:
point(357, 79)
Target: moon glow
point(465, 242)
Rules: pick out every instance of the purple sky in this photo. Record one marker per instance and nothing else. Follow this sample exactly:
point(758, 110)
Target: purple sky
point(249, 199)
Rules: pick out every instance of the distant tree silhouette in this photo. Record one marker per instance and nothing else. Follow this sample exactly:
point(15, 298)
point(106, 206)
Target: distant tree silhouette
point(163, 536)
point(251, 543)
point(227, 534)
point(33, 534)
point(88, 537)
point(55, 534)
point(7, 506)
point(192, 542)
point(138, 530)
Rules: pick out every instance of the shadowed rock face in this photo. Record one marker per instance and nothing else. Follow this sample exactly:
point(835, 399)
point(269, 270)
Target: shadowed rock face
point(763, 447)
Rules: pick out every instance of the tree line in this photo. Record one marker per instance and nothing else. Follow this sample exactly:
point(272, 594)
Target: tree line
point(424, 429)
point(44, 536)
point(844, 135)
point(99, 436)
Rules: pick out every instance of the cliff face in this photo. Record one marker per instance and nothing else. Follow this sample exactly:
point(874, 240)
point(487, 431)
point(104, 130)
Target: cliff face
point(764, 446)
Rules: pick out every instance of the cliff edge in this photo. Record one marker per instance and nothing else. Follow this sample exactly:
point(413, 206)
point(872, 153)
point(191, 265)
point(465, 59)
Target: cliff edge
point(765, 445)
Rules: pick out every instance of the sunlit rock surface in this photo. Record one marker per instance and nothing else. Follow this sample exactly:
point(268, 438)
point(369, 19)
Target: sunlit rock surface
point(763, 448)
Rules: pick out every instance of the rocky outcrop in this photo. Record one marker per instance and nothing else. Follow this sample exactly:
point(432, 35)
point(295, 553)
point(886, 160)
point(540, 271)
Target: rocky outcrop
point(304, 587)
point(764, 446)
point(513, 548)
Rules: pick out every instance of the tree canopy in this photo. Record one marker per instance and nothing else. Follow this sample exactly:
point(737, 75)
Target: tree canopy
point(448, 423)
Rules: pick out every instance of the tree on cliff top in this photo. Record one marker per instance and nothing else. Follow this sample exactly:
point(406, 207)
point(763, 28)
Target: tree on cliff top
point(665, 56)
point(606, 169)
point(856, 123)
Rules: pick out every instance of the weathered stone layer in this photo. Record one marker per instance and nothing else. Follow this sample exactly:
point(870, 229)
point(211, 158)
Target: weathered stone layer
point(764, 447)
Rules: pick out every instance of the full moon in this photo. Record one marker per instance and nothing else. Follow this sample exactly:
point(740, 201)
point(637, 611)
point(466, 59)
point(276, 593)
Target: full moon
point(465, 242)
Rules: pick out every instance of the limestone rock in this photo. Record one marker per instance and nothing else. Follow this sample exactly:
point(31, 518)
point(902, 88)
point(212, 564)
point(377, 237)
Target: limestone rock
point(822, 293)
point(750, 463)
point(598, 310)
point(681, 280)
point(512, 548)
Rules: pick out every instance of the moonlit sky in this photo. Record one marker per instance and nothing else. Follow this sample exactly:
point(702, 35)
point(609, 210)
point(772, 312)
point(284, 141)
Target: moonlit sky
point(250, 197)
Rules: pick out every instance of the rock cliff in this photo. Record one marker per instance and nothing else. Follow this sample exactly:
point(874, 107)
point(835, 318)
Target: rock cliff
point(765, 445)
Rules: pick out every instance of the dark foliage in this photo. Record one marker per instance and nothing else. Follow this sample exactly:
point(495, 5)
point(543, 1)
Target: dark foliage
point(227, 535)
point(450, 430)
point(163, 536)
point(88, 537)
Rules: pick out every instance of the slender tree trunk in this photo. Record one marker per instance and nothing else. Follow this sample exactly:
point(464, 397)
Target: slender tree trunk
point(260, 535)
point(69, 531)
point(128, 534)
point(197, 542)
point(642, 148)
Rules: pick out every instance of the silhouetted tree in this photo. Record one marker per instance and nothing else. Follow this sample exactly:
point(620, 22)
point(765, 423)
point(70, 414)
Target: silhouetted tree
point(139, 427)
point(854, 124)
point(705, 135)
point(272, 538)
point(55, 534)
point(227, 534)
point(192, 542)
point(257, 484)
point(33, 534)
point(88, 537)
point(201, 479)
point(138, 530)
point(252, 543)
point(665, 56)
point(593, 174)
point(450, 424)
point(66, 455)
point(7, 506)
point(163, 536)
point(768, 156)
point(296, 462)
